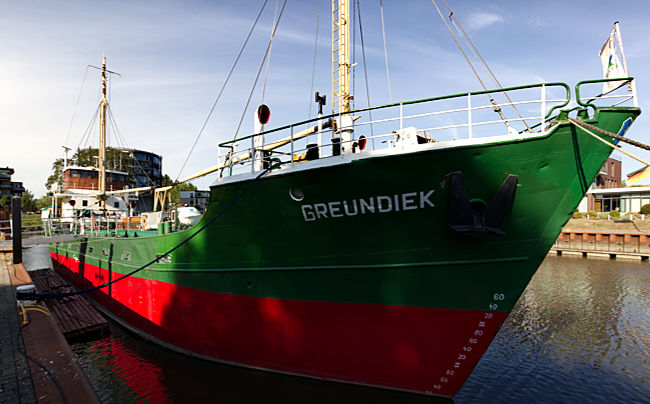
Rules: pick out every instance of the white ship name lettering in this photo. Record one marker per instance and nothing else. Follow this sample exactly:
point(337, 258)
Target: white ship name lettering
point(371, 205)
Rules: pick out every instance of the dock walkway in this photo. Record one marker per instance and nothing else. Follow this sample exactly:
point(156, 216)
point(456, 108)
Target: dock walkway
point(15, 377)
point(39, 366)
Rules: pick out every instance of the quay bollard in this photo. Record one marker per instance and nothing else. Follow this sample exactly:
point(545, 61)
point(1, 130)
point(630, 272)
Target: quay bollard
point(16, 230)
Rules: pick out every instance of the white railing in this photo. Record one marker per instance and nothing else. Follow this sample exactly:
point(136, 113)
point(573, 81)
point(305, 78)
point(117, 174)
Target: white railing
point(624, 91)
point(403, 125)
point(38, 227)
point(51, 227)
point(508, 111)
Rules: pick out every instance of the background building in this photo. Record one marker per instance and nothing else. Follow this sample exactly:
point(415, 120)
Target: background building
point(609, 177)
point(8, 187)
point(147, 168)
point(125, 168)
point(197, 199)
point(628, 199)
point(606, 194)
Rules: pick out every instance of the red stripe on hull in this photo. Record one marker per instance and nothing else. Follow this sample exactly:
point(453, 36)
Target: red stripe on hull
point(412, 348)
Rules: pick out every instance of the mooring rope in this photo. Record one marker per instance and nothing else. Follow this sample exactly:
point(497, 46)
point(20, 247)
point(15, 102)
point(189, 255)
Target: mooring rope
point(610, 134)
point(585, 127)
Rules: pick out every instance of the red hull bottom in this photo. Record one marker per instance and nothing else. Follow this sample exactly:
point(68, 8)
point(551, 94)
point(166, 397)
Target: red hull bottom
point(421, 349)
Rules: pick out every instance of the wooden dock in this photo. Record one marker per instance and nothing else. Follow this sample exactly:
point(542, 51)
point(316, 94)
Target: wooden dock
point(76, 317)
point(604, 243)
point(37, 363)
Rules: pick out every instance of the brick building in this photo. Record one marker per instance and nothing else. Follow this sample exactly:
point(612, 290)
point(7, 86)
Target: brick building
point(609, 177)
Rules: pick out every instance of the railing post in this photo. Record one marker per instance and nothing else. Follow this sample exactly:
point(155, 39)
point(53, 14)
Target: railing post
point(401, 116)
point(252, 152)
point(291, 144)
point(543, 108)
point(219, 160)
point(469, 114)
point(635, 101)
point(16, 230)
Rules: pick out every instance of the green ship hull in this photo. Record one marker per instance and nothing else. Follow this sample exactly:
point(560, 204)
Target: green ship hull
point(388, 268)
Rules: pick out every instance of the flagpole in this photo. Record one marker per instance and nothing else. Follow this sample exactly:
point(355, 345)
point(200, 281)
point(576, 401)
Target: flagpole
point(617, 31)
point(632, 84)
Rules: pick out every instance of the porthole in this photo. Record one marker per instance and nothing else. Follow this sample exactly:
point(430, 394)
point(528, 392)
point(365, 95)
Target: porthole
point(296, 194)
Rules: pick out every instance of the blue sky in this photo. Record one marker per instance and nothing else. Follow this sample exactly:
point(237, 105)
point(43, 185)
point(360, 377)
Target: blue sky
point(174, 56)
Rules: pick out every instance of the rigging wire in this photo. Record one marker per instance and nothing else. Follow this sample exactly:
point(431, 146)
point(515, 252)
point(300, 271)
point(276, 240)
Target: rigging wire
point(268, 48)
point(76, 106)
point(496, 107)
point(383, 33)
point(477, 54)
point(365, 72)
point(223, 87)
point(118, 138)
point(313, 67)
point(268, 60)
point(86, 136)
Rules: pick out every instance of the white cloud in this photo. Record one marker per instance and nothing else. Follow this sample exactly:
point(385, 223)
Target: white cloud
point(478, 21)
point(537, 22)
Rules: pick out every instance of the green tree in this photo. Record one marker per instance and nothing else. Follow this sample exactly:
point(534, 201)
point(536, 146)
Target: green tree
point(5, 201)
point(43, 202)
point(55, 177)
point(27, 202)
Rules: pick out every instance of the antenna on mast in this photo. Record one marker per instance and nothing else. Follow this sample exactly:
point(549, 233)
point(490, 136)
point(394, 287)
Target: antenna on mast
point(66, 149)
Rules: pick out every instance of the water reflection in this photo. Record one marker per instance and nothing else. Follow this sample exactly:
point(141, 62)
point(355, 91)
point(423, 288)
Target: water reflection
point(580, 332)
point(125, 369)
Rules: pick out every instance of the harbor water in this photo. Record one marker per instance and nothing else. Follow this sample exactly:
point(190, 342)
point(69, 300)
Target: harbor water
point(579, 333)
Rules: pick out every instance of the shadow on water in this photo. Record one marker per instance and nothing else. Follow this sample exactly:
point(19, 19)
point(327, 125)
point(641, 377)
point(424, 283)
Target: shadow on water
point(125, 368)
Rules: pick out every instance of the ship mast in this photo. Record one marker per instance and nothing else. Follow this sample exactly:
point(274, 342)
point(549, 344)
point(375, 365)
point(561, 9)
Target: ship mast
point(341, 71)
point(103, 105)
point(340, 56)
point(102, 138)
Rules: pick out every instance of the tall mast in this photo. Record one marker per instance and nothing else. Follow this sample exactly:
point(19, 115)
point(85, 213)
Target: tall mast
point(341, 74)
point(103, 104)
point(102, 137)
point(340, 56)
